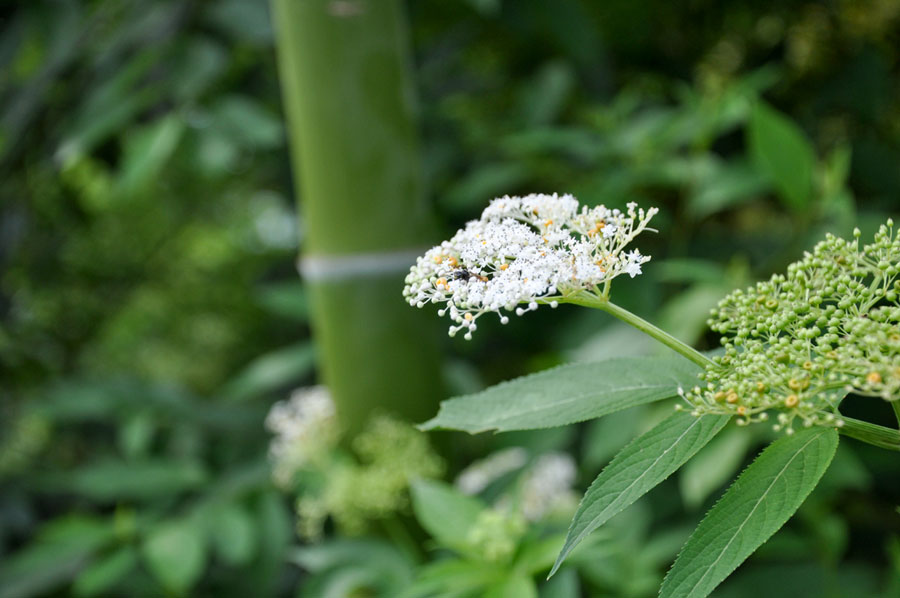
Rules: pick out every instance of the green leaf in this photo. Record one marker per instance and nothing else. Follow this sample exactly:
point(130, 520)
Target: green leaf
point(116, 480)
point(760, 501)
point(781, 150)
point(444, 512)
point(567, 394)
point(640, 467)
point(514, 586)
point(101, 575)
point(175, 552)
point(563, 585)
point(63, 547)
point(233, 534)
point(271, 371)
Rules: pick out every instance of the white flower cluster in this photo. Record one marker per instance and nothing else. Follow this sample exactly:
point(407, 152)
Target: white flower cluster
point(481, 474)
point(305, 427)
point(526, 250)
point(548, 486)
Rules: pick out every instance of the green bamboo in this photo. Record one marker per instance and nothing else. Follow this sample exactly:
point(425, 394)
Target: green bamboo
point(345, 76)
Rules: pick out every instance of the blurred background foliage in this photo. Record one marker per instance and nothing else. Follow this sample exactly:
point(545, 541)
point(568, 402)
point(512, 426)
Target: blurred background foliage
point(151, 313)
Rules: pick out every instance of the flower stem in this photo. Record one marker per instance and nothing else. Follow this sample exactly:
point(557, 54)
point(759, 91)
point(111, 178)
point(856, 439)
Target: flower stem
point(871, 433)
point(590, 300)
point(896, 406)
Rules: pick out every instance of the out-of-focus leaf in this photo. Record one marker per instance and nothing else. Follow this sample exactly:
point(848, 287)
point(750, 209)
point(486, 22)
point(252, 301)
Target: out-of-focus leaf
point(489, 180)
point(285, 299)
point(198, 65)
point(116, 480)
point(684, 315)
point(147, 150)
point(689, 270)
point(247, 123)
point(581, 144)
point(233, 534)
point(136, 434)
point(537, 556)
point(378, 564)
point(543, 100)
point(607, 435)
point(713, 466)
point(567, 394)
point(514, 586)
point(271, 371)
point(275, 530)
point(564, 584)
point(104, 573)
point(175, 552)
point(111, 105)
point(451, 577)
point(444, 512)
point(244, 20)
point(730, 185)
point(61, 549)
point(780, 149)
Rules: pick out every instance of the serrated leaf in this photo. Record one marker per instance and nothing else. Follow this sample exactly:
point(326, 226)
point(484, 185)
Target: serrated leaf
point(638, 468)
point(781, 150)
point(444, 512)
point(759, 502)
point(566, 394)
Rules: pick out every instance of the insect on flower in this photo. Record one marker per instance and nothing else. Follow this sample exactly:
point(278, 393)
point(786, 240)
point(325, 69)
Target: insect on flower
point(465, 275)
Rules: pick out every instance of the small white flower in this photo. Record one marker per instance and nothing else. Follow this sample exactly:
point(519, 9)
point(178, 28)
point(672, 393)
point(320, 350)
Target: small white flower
point(526, 250)
point(548, 486)
point(305, 426)
point(478, 476)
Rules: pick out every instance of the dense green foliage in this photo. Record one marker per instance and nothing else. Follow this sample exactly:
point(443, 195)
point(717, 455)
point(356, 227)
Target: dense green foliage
point(151, 312)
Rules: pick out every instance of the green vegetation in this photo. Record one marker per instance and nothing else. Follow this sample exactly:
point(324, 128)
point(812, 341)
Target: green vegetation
point(151, 214)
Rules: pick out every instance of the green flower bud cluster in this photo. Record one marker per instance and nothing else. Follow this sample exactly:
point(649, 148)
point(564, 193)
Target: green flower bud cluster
point(354, 492)
point(796, 344)
point(496, 535)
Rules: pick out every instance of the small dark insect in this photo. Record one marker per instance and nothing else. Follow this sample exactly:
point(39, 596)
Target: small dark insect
point(463, 274)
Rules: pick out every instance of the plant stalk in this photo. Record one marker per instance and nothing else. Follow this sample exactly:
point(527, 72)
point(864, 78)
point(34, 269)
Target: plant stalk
point(871, 433)
point(589, 300)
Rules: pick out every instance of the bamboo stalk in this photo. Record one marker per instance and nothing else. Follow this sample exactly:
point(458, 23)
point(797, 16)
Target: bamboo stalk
point(345, 75)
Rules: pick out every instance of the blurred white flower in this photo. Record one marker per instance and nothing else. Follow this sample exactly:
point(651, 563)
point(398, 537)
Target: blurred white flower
point(479, 475)
point(548, 486)
point(305, 428)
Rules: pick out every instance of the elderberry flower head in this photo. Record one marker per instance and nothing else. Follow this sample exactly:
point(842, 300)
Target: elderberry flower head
point(305, 429)
point(526, 250)
point(796, 344)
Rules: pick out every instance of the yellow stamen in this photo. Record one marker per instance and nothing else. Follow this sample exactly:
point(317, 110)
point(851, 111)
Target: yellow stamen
point(873, 378)
point(791, 401)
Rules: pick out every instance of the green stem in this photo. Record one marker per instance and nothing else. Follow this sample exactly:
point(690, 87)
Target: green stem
point(590, 300)
point(871, 433)
point(896, 406)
